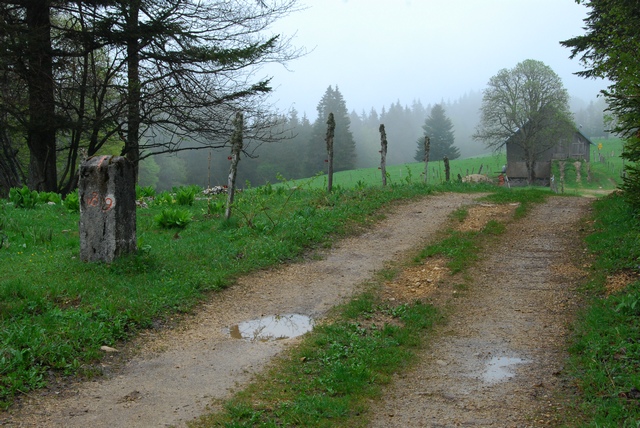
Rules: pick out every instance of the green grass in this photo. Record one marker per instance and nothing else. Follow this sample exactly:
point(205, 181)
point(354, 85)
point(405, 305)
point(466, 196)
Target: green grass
point(411, 173)
point(605, 354)
point(525, 197)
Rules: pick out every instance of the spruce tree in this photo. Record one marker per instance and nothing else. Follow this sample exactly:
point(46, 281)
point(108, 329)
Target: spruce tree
point(439, 129)
point(344, 144)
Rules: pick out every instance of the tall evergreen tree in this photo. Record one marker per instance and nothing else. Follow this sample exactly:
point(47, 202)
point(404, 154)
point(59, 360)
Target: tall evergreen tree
point(344, 144)
point(439, 128)
point(609, 49)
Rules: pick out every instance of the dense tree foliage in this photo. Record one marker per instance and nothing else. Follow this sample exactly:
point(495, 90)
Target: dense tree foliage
point(528, 106)
point(439, 128)
point(609, 49)
point(148, 76)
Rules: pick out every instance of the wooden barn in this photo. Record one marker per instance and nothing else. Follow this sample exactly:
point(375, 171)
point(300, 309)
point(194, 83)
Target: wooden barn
point(576, 148)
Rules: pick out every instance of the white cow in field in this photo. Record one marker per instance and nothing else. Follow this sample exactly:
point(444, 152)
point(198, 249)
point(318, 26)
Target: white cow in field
point(476, 178)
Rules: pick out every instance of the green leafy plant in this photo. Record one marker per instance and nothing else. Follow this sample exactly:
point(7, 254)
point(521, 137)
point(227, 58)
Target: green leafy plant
point(186, 195)
point(72, 202)
point(164, 198)
point(629, 304)
point(173, 218)
point(23, 198)
point(46, 197)
point(145, 192)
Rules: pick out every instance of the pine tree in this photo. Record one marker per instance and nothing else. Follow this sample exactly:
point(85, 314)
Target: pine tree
point(344, 144)
point(439, 129)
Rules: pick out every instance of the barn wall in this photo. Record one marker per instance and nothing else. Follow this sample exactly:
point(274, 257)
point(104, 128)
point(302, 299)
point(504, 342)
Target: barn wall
point(541, 170)
point(576, 148)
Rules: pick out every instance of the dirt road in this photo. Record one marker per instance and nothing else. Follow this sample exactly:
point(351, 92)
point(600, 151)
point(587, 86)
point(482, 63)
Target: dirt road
point(176, 374)
point(498, 362)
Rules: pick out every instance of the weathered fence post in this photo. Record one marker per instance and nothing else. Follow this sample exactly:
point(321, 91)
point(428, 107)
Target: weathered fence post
point(107, 194)
point(427, 147)
point(236, 148)
point(447, 168)
point(331, 127)
point(383, 154)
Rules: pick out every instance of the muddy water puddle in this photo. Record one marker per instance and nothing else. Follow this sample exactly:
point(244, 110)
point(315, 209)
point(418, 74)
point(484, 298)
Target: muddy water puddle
point(274, 327)
point(500, 369)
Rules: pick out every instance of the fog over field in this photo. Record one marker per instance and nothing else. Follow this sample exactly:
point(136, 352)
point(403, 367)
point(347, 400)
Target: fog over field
point(382, 51)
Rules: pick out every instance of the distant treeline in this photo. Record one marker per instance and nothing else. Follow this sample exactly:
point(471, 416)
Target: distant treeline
point(301, 152)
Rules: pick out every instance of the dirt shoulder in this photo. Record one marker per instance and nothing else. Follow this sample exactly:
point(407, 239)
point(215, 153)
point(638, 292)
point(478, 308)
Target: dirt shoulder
point(498, 361)
point(175, 375)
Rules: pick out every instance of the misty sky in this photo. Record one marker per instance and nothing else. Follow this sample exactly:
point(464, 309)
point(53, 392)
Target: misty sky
point(382, 51)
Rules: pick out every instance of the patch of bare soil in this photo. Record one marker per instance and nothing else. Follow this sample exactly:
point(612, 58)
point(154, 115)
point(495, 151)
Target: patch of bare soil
point(498, 361)
point(175, 375)
point(620, 281)
point(423, 281)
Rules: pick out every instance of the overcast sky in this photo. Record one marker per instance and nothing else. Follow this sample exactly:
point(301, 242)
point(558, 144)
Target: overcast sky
point(381, 51)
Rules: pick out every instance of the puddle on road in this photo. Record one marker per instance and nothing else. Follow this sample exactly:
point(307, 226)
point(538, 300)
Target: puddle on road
point(501, 368)
point(275, 327)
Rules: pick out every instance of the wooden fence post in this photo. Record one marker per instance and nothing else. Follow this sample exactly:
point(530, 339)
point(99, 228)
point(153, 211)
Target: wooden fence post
point(331, 127)
point(447, 168)
point(383, 154)
point(236, 148)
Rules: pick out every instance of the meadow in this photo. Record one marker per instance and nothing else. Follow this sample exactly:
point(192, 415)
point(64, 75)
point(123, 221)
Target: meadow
point(606, 175)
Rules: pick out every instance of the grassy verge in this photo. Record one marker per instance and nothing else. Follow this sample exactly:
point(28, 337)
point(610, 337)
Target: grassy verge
point(332, 376)
point(605, 361)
